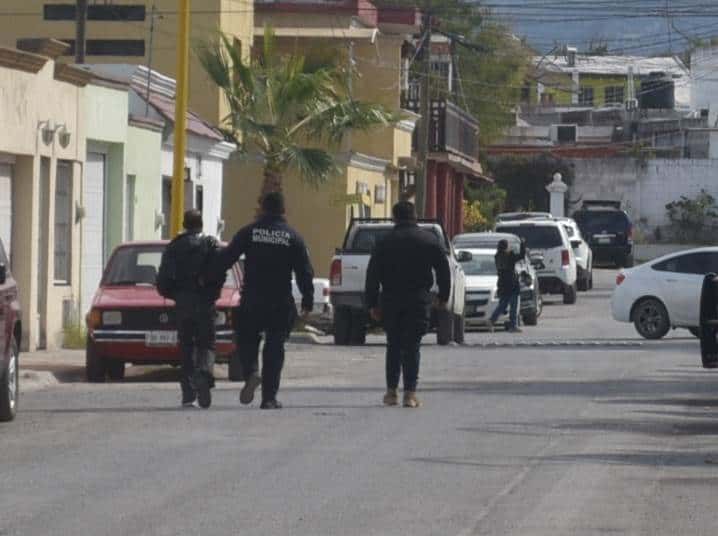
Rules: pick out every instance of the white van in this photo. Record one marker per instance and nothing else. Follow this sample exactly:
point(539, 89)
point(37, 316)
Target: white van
point(551, 253)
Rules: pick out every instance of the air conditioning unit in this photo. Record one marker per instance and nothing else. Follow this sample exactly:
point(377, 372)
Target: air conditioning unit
point(564, 133)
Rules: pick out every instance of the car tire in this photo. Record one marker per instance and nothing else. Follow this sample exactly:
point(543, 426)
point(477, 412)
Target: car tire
point(569, 294)
point(95, 365)
point(590, 279)
point(582, 284)
point(530, 318)
point(358, 328)
point(696, 332)
point(459, 329)
point(444, 327)
point(650, 319)
point(342, 326)
point(235, 373)
point(115, 369)
point(10, 385)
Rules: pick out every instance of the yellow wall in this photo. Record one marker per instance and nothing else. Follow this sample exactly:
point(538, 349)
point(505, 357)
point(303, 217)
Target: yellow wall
point(559, 85)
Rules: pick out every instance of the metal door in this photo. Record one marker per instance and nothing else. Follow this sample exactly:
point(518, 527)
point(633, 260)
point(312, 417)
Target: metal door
point(6, 207)
point(93, 227)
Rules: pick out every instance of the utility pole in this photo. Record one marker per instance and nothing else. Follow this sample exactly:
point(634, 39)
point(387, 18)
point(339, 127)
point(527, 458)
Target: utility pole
point(149, 59)
point(425, 112)
point(80, 31)
point(180, 134)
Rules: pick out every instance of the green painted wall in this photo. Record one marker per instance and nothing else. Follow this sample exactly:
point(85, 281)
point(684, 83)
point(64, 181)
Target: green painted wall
point(144, 161)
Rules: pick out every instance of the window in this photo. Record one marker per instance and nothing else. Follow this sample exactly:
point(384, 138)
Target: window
point(130, 208)
point(109, 47)
point(166, 205)
point(546, 98)
point(613, 95)
point(96, 12)
point(199, 198)
point(480, 265)
point(692, 263)
point(585, 96)
point(63, 222)
point(536, 236)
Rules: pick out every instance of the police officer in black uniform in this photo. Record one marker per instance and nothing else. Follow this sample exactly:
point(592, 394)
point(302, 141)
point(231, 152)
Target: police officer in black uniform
point(402, 264)
point(187, 276)
point(273, 250)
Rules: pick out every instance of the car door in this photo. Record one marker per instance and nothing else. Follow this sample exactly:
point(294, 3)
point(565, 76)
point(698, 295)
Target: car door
point(681, 280)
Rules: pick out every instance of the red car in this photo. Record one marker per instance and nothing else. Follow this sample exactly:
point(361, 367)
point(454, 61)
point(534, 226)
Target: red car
point(10, 333)
point(129, 321)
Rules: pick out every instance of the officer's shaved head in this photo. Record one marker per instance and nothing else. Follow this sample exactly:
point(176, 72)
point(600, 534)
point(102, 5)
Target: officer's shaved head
point(193, 220)
point(404, 211)
point(273, 204)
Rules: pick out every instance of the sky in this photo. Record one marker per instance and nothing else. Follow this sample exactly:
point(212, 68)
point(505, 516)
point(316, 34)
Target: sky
point(639, 27)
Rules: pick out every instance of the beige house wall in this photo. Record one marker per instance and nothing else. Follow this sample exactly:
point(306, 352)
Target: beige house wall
point(31, 103)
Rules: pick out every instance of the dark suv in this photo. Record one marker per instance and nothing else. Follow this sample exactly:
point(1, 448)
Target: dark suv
point(608, 231)
point(9, 340)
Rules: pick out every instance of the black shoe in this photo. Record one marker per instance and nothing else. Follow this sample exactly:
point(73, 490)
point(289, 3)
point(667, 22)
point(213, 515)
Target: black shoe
point(204, 393)
point(188, 399)
point(271, 404)
point(246, 395)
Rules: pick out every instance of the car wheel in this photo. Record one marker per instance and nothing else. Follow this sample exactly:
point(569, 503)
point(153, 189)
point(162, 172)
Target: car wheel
point(342, 326)
point(358, 328)
point(582, 284)
point(95, 365)
point(116, 370)
point(444, 328)
point(530, 318)
point(696, 332)
point(459, 328)
point(569, 294)
point(590, 279)
point(10, 385)
point(651, 319)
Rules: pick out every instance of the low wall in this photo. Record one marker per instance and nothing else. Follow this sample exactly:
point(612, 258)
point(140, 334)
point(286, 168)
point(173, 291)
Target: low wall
point(648, 252)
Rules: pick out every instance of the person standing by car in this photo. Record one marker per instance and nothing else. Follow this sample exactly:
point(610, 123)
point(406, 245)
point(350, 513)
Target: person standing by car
point(508, 285)
point(273, 250)
point(401, 264)
point(185, 276)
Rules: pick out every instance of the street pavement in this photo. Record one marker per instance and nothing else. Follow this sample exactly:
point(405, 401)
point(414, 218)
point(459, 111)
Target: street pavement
point(556, 431)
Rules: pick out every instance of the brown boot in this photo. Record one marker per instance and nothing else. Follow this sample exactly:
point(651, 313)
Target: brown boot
point(410, 400)
point(391, 398)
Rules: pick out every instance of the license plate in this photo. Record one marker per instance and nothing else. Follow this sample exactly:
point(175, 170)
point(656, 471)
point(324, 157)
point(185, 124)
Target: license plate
point(604, 240)
point(161, 338)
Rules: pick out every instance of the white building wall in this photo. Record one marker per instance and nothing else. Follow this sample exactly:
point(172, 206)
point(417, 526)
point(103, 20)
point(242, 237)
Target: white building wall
point(704, 82)
point(644, 187)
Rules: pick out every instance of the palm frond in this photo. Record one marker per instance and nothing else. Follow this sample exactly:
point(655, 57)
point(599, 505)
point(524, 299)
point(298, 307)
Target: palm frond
point(315, 166)
point(336, 121)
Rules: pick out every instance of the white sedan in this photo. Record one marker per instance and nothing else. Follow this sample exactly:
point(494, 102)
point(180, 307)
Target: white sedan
point(664, 293)
point(481, 281)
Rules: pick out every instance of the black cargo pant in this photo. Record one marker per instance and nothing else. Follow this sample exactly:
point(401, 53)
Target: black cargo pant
point(406, 321)
point(275, 321)
point(196, 317)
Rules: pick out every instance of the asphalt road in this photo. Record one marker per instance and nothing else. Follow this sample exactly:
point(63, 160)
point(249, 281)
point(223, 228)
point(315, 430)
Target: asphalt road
point(527, 440)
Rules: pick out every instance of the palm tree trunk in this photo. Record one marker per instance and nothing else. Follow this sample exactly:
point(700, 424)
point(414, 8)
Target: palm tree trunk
point(272, 183)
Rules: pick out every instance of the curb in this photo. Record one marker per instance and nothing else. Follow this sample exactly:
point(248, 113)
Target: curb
point(303, 338)
point(555, 344)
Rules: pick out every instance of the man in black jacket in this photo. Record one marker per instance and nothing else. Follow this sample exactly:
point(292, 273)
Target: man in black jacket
point(509, 289)
point(185, 276)
point(403, 265)
point(273, 250)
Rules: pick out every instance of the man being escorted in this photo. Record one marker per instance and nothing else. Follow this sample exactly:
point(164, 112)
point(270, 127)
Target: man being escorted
point(401, 264)
point(273, 250)
point(185, 276)
point(509, 289)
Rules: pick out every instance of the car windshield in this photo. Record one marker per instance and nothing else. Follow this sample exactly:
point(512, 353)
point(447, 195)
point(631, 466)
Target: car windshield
point(133, 266)
point(597, 221)
point(485, 242)
point(367, 237)
point(536, 236)
point(480, 264)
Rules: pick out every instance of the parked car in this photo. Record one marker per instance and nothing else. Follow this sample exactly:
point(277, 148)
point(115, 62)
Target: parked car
point(664, 293)
point(608, 231)
point(531, 301)
point(584, 255)
point(10, 336)
point(130, 322)
point(322, 315)
point(348, 277)
point(551, 252)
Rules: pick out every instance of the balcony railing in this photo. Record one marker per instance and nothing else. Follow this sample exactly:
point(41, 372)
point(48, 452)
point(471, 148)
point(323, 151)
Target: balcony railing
point(451, 129)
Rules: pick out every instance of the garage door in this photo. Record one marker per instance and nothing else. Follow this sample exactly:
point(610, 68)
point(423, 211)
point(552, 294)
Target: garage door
point(6, 206)
point(93, 227)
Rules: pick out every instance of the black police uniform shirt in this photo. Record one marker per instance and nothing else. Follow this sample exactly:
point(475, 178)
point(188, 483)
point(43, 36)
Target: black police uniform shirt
point(272, 250)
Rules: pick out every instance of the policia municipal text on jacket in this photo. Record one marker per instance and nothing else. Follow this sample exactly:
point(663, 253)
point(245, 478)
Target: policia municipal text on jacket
point(272, 250)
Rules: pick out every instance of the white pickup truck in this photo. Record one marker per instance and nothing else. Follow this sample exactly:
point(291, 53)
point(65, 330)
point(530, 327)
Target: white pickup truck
point(348, 278)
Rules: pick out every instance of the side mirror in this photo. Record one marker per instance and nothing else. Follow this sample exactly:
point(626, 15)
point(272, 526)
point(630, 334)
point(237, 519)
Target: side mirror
point(464, 256)
point(575, 244)
point(3, 273)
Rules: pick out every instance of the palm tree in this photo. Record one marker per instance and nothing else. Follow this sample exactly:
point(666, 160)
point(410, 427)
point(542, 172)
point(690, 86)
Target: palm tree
point(286, 110)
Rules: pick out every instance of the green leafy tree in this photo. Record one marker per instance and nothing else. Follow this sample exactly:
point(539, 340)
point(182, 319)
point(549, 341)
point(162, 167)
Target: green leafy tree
point(692, 219)
point(287, 109)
